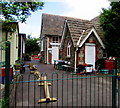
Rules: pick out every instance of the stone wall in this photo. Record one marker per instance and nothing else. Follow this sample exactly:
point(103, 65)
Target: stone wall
point(70, 59)
point(81, 51)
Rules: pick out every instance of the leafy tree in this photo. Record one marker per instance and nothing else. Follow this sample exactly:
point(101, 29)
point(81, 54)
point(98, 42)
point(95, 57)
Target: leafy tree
point(32, 45)
point(110, 22)
point(19, 11)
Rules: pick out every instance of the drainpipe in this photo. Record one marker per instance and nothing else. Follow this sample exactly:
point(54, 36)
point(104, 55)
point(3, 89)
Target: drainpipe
point(47, 49)
point(75, 58)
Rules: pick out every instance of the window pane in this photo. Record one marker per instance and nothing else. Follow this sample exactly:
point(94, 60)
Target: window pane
point(68, 50)
point(55, 39)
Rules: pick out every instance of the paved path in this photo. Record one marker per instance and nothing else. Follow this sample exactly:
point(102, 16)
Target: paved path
point(76, 91)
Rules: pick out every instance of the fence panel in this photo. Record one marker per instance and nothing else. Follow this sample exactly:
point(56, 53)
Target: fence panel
point(67, 89)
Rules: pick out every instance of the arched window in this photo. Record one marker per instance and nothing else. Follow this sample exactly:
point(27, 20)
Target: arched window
point(68, 49)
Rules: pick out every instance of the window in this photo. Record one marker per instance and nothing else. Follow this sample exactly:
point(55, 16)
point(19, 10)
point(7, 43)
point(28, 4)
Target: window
point(42, 45)
point(68, 50)
point(55, 39)
point(104, 53)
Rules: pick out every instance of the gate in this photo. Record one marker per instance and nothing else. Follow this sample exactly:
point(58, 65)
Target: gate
point(69, 90)
point(4, 77)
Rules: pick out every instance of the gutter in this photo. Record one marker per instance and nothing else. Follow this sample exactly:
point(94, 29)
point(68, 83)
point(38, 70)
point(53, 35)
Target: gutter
point(47, 49)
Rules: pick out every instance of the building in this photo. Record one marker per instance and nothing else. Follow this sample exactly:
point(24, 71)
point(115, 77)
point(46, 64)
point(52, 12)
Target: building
point(51, 35)
point(21, 49)
point(10, 32)
point(74, 40)
point(82, 42)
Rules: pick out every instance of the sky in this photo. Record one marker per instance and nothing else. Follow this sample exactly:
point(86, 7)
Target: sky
point(83, 9)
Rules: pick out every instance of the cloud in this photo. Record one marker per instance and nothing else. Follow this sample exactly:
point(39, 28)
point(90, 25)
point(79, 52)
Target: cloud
point(35, 34)
point(54, 0)
point(86, 9)
point(24, 28)
point(34, 31)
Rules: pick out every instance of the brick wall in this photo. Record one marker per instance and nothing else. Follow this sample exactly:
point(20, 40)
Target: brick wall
point(50, 52)
point(45, 50)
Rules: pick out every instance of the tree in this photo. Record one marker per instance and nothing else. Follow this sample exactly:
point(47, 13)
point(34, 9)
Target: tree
point(110, 22)
point(19, 11)
point(32, 45)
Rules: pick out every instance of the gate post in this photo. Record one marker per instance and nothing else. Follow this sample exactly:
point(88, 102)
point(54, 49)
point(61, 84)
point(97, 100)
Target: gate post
point(114, 84)
point(7, 73)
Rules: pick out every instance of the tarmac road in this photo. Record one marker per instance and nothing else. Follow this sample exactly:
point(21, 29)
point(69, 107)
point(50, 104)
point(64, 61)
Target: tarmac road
point(76, 91)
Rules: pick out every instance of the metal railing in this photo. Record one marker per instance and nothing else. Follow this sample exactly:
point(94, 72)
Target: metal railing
point(6, 57)
point(69, 90)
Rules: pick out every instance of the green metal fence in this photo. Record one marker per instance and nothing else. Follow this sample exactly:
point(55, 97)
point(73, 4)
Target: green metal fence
point(5, 62)
point(69, 90)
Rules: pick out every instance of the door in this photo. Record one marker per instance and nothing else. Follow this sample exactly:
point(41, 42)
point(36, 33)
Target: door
point(55, 53)
point(90, 54)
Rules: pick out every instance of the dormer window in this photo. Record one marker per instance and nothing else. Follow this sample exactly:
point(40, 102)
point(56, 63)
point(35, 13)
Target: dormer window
point(68, 49)
point(55, 40)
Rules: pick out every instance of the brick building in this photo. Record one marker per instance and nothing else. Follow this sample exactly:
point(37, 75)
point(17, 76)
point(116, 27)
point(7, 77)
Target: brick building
point(51, 35)
point(75, 40)
point(82, 42)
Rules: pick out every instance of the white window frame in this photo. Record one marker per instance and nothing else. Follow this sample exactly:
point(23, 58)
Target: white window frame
point(42, 45)
point(56, 39)
point(68, 49)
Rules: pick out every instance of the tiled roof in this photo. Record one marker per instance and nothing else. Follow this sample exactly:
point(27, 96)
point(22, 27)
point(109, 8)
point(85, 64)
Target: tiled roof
point(80, 29)
point(96, 23)
point(53, 24)
point(85, 33)
point(76, 28)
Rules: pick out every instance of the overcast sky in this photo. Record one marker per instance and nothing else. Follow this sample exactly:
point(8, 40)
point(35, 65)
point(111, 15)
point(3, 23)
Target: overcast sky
point(83, 9)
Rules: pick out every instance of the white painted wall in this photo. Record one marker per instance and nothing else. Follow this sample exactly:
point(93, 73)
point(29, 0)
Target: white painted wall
point(14, 47)
point(13, 38)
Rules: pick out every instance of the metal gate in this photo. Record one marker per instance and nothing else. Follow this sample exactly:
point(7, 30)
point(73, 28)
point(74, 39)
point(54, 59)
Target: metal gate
point(5, 62)
point(69, 90)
